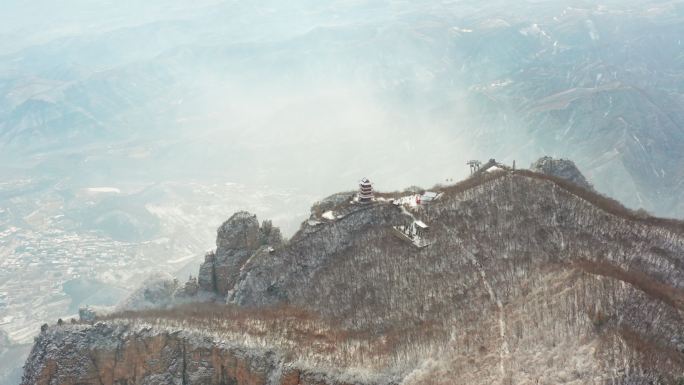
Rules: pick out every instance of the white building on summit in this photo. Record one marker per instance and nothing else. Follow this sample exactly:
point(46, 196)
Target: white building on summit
point(365, 191)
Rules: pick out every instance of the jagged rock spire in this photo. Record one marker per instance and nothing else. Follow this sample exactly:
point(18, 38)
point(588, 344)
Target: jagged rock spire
point(562, 168)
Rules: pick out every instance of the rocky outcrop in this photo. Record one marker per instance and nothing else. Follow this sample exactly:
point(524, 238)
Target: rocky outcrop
point(331, 202)
point(274, 278)
point(206, 278)
point(561, 168)
point(106, 354)
point(237, 240)
point(269, 235)
point(240, 232)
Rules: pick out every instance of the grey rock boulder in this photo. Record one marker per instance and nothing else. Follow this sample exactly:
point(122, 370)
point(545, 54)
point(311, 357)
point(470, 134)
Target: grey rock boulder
point(240, 232)
point(206, 278)
point(237, 240)
point(561, 168)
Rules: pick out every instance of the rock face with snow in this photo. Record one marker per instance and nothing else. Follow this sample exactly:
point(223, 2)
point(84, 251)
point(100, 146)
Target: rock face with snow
point(115, 354)
point(528, 279)
point(561, 168)
point(273, 278)
point(331, 202)
point(237, 239)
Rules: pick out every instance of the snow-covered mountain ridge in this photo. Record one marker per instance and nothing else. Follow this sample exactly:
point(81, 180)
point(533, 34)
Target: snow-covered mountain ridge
point(527, 279)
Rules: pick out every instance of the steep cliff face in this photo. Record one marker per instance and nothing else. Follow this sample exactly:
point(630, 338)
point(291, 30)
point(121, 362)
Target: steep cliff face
point(283, 276)
point(119, 354)
point(526, 279)
point(237, 240)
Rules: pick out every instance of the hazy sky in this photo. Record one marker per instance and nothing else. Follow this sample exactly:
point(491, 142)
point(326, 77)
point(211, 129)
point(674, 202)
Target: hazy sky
point(323, 91)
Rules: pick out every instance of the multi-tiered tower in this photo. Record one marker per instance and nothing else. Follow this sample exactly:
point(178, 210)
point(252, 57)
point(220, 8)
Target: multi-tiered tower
point(365, 191)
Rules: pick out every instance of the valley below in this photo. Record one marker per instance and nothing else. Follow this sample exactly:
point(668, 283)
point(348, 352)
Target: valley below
point(65, 247)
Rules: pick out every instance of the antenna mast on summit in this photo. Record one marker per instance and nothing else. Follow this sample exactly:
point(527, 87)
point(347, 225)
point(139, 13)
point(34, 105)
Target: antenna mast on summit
point(474, 166)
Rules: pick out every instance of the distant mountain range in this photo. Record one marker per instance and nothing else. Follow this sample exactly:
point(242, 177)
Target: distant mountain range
point(416, 89)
